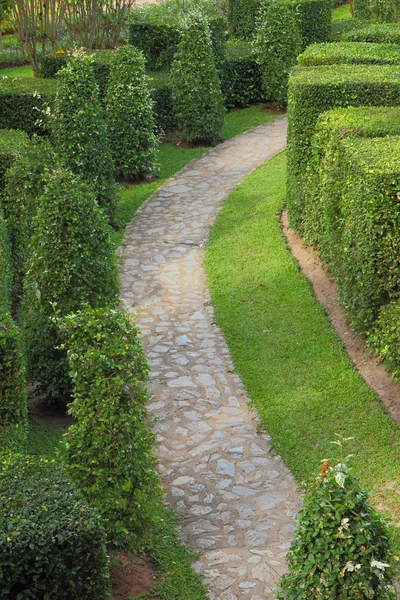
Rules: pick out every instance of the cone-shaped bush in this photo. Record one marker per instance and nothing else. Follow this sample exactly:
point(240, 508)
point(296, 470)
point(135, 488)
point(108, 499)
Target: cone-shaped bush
point(341, 547)
point(71, 263)
point(79, 130)
point(195, 85)
point(130, 118)
point(277, 43)
point(110, 448)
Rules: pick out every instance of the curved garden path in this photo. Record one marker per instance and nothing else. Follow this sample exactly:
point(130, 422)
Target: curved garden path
point(237, 499)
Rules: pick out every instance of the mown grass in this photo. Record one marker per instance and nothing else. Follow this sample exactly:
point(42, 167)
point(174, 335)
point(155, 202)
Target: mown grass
point(25, 71)
point(299, 378)
point(342, 12)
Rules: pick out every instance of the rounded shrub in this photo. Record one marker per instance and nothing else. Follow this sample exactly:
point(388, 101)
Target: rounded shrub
point(196, 89)
point(277, 44)
point(130, 118)
point(72, 262)
point(341, 547)
point(110, 448)
point(79, 130)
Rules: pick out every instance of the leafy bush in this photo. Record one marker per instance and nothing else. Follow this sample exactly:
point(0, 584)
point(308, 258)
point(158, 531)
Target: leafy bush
point(385, 10)
point(13, 400)
point(242, 16)
point(362, 9)
point(195, 84)
point(163, 104)
point(79, 130)
point(384, 337)
point(11, 145)
point(5, 265)
point(240, 75)
point(109, 449)
point(157, 41)
point(52, 544)
point(277, 44)
point(349, 53)
point(314, 20)
point(341, 547)
point(343, 26)
point(23, 101)
point(379, 33)
point(129, 111)
point(313, 90)
point(71, 263)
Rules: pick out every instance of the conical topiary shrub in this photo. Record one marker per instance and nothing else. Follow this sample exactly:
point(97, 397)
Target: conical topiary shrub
point(341, 548)
point(196, 89)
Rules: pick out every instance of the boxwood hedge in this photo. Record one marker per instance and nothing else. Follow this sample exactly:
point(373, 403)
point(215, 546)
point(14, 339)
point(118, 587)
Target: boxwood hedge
point(52, 544)
point(362, 9)
point(22, 101)
point(314, 19)
point(379, 33)
point(313, 90)
point(12, 143)
point(335, 53)
point(240, 75)
point(242, 16)
point(343, 26)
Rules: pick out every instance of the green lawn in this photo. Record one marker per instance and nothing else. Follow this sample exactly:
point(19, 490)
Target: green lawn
point(25, 71)
point(342, 12)
point(300, 380)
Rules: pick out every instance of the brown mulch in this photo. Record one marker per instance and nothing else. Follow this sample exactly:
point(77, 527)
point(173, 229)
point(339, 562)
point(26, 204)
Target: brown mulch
point(131, 577)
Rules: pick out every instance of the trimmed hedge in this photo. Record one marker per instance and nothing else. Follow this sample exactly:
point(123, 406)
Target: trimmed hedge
point(362, 9)
point(242, 15)
point(379, 33)
point(129, 113)
point(240, 75)
point(313, 90)
point(52, 544)
point(277, 43)
point(110, 448)
point(11, 144)
point(72, 263)
point(5, 265)
point(163, 105)
point(314, 20)
point(22, 101)
point(335, 53)
point(195, 84)
point(343, 26)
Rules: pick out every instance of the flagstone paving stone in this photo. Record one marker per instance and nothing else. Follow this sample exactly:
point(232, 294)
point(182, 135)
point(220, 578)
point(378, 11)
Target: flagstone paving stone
point(237, 499)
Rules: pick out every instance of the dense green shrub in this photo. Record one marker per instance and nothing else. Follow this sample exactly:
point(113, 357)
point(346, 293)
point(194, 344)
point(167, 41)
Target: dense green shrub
point(129, 112)
point(362, 9)
point(196, 90)
point(313, 90)
point(314, 20)
point(343, 26)
point(384, 337)
point(378, 33)
point(335, 53)
point(240, 75)
point(109, 450)
point(13, 399)
point(71, 263)
point(11, 144)
point(157, 41)
point(277, 43)
point(242, 16)
point(79, 131)
point(163, 104)
point(385, 10)
point(52, 544)
point(5, 265)
point(341, 546)
point(23, 101)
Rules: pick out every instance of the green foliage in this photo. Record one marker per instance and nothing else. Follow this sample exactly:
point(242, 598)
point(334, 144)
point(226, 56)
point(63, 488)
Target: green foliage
point(79, 131)
point(163, 105)
point(240, 75)
point(362, 9)
point(277, 44)
point(341, 546)
point(313, 90)
point(384, 337)
point(314, 20)
point(195, 84)
point(110, 448)
point(13, 400)
point(341, 28)
point(5, 265)
point(349, 53)
point(385, 10)
point(52, 544)
point(129, 112)
point(23, 101)
point(379, 33)
point(242, 15)
point(11, 145)
point(157, 41)
point(71, 263)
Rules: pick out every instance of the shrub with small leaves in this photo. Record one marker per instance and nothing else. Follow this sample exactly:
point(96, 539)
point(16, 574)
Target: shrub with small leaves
point(341, 547)
point(110, 448)
point(79, 130)
point(72, 263)
point(277, 44)
point(196, 88)
point(130, 118)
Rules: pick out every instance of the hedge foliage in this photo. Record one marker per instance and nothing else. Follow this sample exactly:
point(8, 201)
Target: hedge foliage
point(52, 544)
point(5, 265)
point(362, 9)
point(71, 263)
point(313, 90)
point(196, 90)
point(277, 43)
point(240, 75)
point(79, 130)
point(129, 113)
point(314, 20)
point(335, 53)
point(341, 27)
point(110, 448)
point(242, 16)
point(379, 33)
point(11, 144)
point(163, 104)
point(23, 101)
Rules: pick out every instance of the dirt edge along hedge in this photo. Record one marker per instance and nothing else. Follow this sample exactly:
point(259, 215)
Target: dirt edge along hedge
point(314, 90)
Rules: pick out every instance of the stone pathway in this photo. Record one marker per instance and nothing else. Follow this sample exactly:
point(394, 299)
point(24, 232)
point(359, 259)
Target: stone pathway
point(237, 499)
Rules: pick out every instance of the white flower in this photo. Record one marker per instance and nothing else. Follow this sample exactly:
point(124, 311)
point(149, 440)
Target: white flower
point(379, 565)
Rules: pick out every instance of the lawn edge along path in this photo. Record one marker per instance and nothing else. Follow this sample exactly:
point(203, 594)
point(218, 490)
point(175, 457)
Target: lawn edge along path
point(236, 497)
